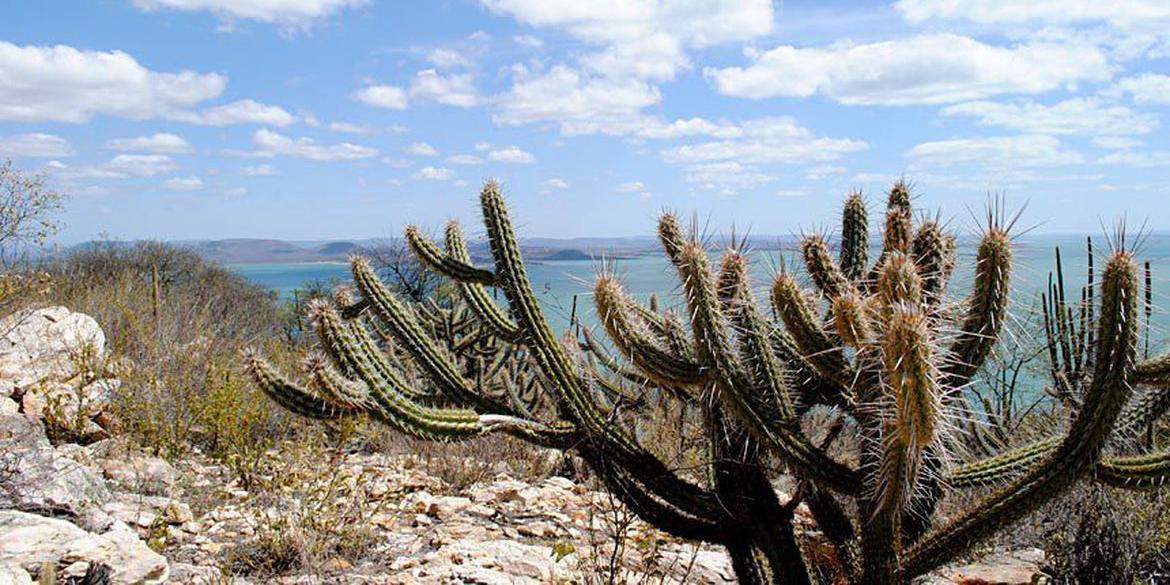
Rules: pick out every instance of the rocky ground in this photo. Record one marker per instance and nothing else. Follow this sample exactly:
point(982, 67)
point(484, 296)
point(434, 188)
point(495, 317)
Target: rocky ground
point(106, 510)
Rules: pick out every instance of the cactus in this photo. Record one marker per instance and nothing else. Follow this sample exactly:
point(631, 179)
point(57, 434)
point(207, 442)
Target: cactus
point(875, 341)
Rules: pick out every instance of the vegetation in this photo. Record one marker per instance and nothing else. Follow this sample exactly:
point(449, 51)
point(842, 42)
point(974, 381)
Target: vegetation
point(888, 352)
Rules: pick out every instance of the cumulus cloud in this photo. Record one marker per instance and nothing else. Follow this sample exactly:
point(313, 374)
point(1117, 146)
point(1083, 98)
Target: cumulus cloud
point(162, 143)
point(1087, 116)
point(183, 184)
point(1122, 13)
point(555, 184)
point(448, 59)
point(435, 173)
point(421, 149)
point(631, 187)
point(528, 41)
point(270, 144)
point(766, 140)
point(383, 96)
point(998, 152)
point(294, 14)
point(578, 103)
point(241, 112)
point(727, 177)
point(139, 165)
point(465, 159)
point(452, 90)
point(259, 171)
point(1148, 88)
point(1137, 159)
point(511, 154)
point(64, 84)
point(924, 69)
point(35, 145)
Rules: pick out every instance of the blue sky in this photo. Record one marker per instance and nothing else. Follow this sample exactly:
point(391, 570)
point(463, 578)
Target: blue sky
point(321, 119)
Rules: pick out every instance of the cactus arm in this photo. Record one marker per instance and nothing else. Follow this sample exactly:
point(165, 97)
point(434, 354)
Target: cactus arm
point(810, 388)
point(770, 421)
point(633, 340)
point(335, 388)
point(446, 264)
point(822, 268)
point(564, 381)
point(288, 394)
point(854, 253)
point(1002, 467)
point(1138, 472)
point(934, 253)
point(803, 325)
point(1079, 450)
point(477, 296)
point(404, 326)
point(987, 307)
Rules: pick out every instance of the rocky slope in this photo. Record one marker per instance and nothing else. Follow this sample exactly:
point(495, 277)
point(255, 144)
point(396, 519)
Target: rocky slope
point(107, 512)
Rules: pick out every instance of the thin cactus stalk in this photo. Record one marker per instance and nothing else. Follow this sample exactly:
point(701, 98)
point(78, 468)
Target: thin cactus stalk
point(877, 341)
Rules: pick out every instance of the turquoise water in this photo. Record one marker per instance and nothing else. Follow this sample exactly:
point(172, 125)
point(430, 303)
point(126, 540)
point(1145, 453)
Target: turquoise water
point(556, 282)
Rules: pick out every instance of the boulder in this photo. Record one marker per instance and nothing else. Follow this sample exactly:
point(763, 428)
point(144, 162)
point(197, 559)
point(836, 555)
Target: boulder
point(66, 401)
point(35, 478)
point(1019, 567)
point(45, 344)
point(29, 541)
point(148, 475)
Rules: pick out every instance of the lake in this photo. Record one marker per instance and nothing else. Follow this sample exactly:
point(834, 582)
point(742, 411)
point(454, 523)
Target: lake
point(556, 282)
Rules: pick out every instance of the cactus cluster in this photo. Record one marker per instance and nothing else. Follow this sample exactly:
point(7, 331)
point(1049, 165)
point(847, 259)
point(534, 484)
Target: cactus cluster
point(879, 342)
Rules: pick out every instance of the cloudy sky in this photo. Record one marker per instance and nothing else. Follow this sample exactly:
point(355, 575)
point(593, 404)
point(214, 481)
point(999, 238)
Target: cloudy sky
point(316, 119)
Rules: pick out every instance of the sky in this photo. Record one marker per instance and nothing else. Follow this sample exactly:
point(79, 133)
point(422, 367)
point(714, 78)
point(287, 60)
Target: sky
point(332, 119)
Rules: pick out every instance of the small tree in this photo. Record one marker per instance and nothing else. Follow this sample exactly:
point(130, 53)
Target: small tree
point(28, 213)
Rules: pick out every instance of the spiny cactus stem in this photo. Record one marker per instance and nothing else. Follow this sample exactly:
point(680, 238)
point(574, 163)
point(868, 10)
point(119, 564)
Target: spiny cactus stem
point(477, 295)
point(447, 265)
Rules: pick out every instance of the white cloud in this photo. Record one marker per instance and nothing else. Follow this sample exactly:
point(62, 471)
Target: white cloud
point(578, 103)
point(448, 59)
point(1117, 142)
point(348, 128)
point(1148, 88)
point(632, 187)
point(555, 184)
point(452, 90)
point(435, 173)
point(766, 140)
point(183, 184)
point(1137, 159)
point(1122, 13)
point(241, 112)
point(290, 14)
point(644, 39)
point(64, 84)
point(511, 154)
point(1073, 116)
point(465, 159)
point(482, 146)
point(382, 96)
point(35, 145)
point(1000, 152)
point(924, 69)
point(421, 149)
point(162, 143)
point(259, 171)
point(139, 165)
point(271, 144)
point(823, 171)
point(528, 41)
point(725, 176)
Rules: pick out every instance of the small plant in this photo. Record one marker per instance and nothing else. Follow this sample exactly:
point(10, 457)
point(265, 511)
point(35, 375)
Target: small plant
point(878, 341)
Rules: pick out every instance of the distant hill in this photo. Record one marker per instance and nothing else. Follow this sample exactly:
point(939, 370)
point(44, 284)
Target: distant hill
point(258, 251)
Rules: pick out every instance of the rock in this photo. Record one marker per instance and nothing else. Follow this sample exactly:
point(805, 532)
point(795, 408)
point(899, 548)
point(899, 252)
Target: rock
point(1020, 567)
point(8, 406)
point(14, 575)
point(35, 478)
point(66, 401)
point(29, 541)
point(150, 475)
point(45, 344)
point(187, 574)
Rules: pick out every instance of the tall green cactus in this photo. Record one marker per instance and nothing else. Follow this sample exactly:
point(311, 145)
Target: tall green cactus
point(875, 341)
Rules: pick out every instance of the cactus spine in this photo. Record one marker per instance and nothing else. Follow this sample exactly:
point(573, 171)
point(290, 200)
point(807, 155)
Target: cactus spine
point(874, 340)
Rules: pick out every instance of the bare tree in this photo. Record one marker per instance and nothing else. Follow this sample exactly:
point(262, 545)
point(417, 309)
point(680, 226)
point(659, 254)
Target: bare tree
point(399, 267)
point(28, 213)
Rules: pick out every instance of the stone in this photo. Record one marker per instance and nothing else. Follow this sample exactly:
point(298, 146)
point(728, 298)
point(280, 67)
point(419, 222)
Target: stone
point(29, 541)
point(66, 401)
point(8, 406)
point(14, 575)
point(1019, 567)
point(151, 475)
point(35, 478)
point(47, 343)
